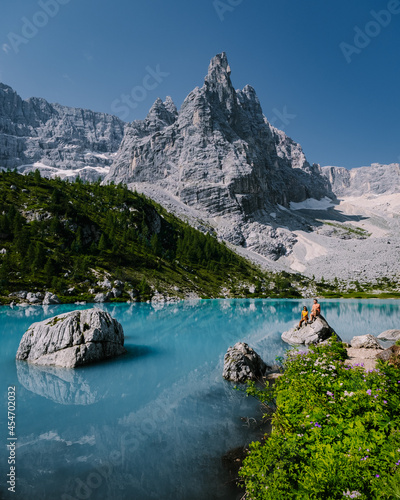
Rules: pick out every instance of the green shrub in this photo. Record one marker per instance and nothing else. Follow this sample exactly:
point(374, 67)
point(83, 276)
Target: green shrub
point(336, 431)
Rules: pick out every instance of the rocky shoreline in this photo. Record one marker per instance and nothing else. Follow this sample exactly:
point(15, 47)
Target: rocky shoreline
point(112, 292)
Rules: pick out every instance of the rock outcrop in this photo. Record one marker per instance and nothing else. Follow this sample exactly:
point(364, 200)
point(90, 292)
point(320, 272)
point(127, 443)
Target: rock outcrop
point(391, 355)
point(72, 339)
point(54, 138)
point(392, 335)
point(102, 297)
point(220, 156)
point(311, 333)
point(50, 298)
point(34, 297)
point(374, 180)
point(242, 363)
point(365, 342)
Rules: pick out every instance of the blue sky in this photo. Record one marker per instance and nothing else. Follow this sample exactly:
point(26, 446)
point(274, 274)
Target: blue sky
point(341, 102)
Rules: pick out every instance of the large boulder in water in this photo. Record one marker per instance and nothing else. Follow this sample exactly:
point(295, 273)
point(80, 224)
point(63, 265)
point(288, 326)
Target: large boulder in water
point(72, 339)
point(310, 333)
point(242, 363)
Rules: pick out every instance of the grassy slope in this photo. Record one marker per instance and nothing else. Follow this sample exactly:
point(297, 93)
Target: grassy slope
point(61, 235)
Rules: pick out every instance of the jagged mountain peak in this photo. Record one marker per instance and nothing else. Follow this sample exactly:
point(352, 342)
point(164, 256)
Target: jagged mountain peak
point(170, 105)
point(161, 114)
point(249, 91)
point(3, 86)
point(220, 156)
point(218, 85)
point(218, 69)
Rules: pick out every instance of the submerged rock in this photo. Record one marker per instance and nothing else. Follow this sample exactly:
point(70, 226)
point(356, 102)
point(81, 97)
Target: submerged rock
point(72, 339)
point(313, 333)
point(365, 342)
point(242, 363)
point(392, 335)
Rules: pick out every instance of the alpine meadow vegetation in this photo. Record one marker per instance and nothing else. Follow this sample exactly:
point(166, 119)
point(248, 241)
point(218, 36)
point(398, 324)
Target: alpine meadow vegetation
point(335, 431)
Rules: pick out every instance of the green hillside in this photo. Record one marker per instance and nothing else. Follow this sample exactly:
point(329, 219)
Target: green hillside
point(66, 237)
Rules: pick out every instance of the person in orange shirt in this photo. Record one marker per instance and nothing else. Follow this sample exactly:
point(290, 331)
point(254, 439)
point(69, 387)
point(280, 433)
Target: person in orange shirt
point(315, 310)
point(304, 316)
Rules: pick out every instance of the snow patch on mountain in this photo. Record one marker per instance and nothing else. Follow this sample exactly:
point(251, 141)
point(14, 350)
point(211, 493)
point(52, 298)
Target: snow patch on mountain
point(87, 173)
point(37, 134)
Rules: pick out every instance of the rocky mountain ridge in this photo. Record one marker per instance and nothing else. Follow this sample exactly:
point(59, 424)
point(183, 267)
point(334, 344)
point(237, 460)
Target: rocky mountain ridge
point(377, 179)
point(221, 166)
point(58, 140)
point(220, 161)
point(218, 152)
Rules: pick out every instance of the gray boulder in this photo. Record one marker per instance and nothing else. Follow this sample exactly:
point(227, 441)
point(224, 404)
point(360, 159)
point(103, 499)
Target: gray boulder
point(72, 339)
point(313, 333)
point(392, 335)
point(116, 292)
point(242, 363)
point(106, 283)
point(34, 298)
point(365, 342)
point(50, 298)
point(392, 354)
point(102, 297)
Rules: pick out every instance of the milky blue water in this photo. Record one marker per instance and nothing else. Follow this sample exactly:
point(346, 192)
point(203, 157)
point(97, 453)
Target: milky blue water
point(152, 424)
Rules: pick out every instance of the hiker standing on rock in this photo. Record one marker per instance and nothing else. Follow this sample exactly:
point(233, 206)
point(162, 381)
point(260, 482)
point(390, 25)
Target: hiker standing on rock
point(315, 310)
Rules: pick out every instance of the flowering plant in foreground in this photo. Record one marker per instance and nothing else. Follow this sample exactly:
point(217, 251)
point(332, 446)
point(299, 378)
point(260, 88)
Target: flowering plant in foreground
point(336, 431)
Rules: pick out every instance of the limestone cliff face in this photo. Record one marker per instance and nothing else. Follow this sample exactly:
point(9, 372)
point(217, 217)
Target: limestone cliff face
point(218, 154)
point(376, 179)
point(53, 138)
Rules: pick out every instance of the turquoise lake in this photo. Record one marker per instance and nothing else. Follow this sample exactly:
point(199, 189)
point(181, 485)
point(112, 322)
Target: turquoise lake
point(154, 423)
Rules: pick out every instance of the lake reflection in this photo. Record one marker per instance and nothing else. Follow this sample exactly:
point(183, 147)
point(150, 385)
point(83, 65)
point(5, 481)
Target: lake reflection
point(152, 424)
